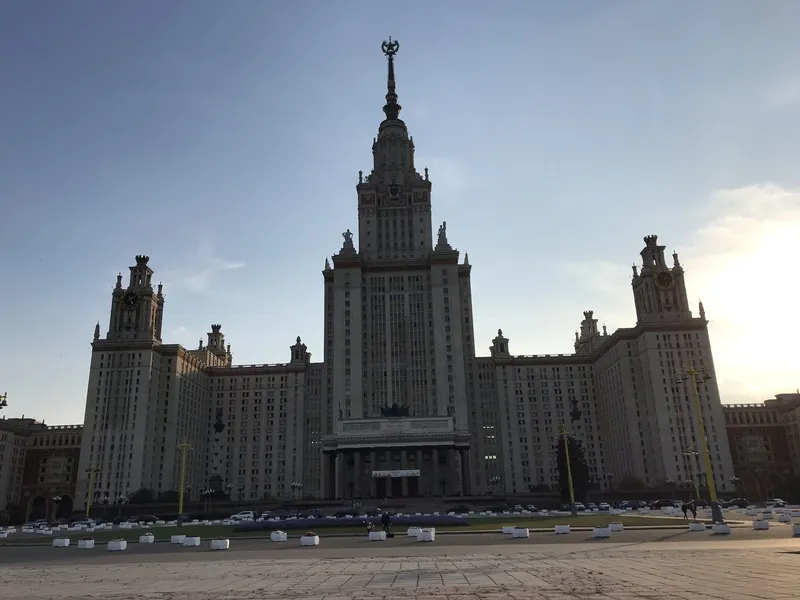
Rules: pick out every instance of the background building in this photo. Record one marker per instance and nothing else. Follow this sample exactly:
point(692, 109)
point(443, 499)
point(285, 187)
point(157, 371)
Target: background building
point(765, 445)
point(401, 405)
point(39, 467)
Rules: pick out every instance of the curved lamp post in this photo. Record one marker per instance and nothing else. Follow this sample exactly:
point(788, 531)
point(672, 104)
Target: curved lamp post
point(691, 375)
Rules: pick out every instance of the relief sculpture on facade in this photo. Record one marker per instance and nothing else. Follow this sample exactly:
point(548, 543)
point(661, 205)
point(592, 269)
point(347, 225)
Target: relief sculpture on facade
point(394, 411)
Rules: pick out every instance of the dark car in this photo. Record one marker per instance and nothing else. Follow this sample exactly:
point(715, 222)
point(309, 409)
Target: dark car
point(700, 503)
point(736, 502)
point(353, 512)
point(662, 504)
point(460, 509)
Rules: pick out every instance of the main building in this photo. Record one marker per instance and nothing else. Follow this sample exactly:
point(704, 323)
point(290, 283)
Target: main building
point(400, 405)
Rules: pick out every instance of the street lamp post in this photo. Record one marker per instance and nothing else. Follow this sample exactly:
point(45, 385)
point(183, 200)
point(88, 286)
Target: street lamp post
point(241, 492)
point(569, 472)
point(90, 493)
point(184, 447)
point(119, 501)
point(735, 482)
point(691, 375)
point(691, 455)
point(296, 487)
point(206, 494)
point(56, 501)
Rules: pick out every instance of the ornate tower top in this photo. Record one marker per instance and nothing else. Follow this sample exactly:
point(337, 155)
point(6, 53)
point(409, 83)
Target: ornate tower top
point(392, 108)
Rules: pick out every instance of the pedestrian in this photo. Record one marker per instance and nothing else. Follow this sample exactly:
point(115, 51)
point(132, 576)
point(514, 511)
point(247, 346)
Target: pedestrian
point(685, 509)
point(693, 508)
point(386, 520)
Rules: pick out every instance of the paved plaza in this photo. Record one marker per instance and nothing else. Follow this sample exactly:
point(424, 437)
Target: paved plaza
point(679, 566)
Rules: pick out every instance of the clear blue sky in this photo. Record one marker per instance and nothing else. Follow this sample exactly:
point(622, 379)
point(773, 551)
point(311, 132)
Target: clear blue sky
point(224, 140)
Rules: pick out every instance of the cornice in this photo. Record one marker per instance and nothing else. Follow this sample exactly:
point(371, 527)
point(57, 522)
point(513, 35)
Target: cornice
point(126, 345)
point(624, 334)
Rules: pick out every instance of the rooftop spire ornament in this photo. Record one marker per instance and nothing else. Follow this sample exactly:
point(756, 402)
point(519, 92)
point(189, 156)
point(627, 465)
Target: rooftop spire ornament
point(392, 108)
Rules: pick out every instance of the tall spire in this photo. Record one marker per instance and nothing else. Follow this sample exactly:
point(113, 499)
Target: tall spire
point(392, 108)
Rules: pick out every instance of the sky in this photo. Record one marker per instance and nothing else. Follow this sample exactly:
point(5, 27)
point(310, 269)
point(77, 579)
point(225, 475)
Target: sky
point(224, 140)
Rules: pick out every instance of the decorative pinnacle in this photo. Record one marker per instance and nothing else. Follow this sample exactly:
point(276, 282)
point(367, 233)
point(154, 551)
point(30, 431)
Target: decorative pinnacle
point(392, 108)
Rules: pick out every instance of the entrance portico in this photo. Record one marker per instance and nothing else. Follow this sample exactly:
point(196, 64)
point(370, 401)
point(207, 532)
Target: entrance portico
point(396, 457)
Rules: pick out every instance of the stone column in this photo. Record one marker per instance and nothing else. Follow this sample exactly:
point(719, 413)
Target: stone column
point(466, 480)
point(436, 488)
point(420, 488)
point(337, 470)
point(356, 473)
point(389, 467)
point(404, 465)
point(324, 478)
point(453, 472)
point(345, 490)
point(373, 465)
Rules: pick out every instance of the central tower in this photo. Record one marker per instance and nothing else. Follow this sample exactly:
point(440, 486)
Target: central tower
point(394, 206)
point(398, 331)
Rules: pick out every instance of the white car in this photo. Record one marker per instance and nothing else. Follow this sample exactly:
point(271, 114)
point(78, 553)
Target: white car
point(604, 506)
point(245, 515)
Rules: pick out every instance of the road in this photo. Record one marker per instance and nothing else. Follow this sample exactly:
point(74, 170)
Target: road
point(359, 546)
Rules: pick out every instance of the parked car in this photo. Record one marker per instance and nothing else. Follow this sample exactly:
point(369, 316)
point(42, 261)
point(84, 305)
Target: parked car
point(245, 515)
point(531, 508)
point(658, 504)
point(775, 503)
point(736, 502)
point(604, 506)
point(142, 519)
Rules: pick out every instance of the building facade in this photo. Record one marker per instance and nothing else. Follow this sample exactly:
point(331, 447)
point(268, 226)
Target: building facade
point(401, 405)
point(765, 445)
point(39, 467)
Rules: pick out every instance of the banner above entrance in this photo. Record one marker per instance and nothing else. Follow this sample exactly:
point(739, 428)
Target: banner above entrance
point(404, 473)
point(403, 425)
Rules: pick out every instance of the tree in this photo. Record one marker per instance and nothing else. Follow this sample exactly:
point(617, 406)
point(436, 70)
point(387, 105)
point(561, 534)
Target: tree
point(631, 484)
point(142, 496)
point(168, 497)
point(577, 462)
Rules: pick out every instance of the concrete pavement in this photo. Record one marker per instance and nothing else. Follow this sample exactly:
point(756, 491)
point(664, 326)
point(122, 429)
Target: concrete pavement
point(667, 565)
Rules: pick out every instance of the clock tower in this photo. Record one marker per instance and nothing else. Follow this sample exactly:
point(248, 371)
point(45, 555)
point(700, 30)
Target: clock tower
point(659, 291)
point(136, 310)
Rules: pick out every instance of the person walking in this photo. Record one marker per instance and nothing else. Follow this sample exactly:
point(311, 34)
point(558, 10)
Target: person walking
point(685, 509)
point(386, 520)
point(693, 508)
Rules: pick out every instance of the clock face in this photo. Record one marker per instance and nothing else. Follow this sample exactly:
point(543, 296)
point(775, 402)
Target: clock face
point(394, 191)
point(130, 300)
point(664, 279)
